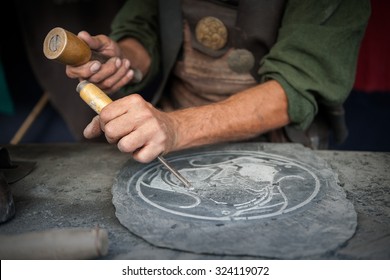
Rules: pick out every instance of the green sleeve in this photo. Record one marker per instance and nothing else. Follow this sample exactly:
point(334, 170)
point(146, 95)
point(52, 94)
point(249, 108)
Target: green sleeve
point(315, 56)
point(139, 19)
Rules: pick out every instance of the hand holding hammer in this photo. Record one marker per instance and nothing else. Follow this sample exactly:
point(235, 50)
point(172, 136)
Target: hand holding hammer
point(95, 58)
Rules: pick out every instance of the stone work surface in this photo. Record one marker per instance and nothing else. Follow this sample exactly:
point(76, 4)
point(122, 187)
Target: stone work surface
point(365, 178)
point(72, 183)
point(246, 199)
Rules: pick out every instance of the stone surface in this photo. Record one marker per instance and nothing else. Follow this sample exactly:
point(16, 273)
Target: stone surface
point(71, 187)
point(260, 200)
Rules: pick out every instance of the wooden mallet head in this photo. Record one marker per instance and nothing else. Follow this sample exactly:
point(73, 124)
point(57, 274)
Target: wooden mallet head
point(65, 47)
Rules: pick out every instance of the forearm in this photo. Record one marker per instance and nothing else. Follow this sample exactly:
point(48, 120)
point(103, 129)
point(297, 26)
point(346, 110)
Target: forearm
point(136, 53)
point(242, 116)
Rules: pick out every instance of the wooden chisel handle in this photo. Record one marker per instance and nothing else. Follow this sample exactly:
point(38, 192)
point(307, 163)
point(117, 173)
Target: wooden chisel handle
point(93, 96)
point(65, 47)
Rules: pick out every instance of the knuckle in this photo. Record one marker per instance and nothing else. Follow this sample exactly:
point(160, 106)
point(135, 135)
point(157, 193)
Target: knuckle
point(153, 124)
point(136, 98)
point(104, 117)
point(142, 157)
point(162, 138)
point(109, 131)
point(124, 148)
point(110, 66)
point(108, 83)
point(94, 79)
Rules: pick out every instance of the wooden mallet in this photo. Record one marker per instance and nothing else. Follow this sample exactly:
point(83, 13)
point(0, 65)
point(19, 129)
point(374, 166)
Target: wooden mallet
point(65, 47)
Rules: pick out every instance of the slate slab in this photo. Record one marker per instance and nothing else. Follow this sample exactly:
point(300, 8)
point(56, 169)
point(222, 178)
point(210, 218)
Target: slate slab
point(246, 199)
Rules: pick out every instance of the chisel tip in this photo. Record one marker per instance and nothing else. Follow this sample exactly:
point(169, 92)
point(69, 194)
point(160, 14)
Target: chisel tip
point(175, 172)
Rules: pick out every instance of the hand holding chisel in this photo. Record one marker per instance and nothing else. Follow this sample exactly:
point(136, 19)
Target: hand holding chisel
point(97, 100)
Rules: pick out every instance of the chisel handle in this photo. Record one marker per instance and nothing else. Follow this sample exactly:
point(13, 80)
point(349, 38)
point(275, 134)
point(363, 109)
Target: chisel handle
point(65, 47)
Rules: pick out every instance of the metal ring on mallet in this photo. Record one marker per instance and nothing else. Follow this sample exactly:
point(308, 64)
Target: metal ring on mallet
point(97, 100)
point(65, 47)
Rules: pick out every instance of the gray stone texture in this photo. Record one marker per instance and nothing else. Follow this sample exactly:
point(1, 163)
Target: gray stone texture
point(322, 225)
point(71, 187)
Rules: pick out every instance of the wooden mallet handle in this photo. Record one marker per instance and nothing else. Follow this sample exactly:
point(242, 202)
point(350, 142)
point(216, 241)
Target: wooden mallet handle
point(56, 243)
point(65, 47)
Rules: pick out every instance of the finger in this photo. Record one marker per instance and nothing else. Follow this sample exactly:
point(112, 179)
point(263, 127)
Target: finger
point(147, 153)
point(145, 142)
point(143, 154)
point(84, 71)
point(93, 130)
point(127, 78)
point(131, 142)
point(117, 128)
point(113, 110)
point(118, 79)
point(122, 106)
point(107, 70)
point(94, 42)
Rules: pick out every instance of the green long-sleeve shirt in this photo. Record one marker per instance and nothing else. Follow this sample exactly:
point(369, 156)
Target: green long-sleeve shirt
point(314, 57)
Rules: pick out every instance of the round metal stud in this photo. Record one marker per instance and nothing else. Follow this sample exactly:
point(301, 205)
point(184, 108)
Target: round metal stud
point(241, 61)
point(211, 33)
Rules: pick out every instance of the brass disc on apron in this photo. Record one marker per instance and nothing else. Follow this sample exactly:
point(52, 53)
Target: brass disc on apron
point(211, 33)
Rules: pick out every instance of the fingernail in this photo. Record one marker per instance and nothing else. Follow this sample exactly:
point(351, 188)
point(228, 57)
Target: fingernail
point(118, 63)
point(127, 64)
point(95, 67)
point(130, 73)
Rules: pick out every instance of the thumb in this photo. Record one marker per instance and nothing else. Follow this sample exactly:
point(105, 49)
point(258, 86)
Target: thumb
point(92, 130)
point(92, 41)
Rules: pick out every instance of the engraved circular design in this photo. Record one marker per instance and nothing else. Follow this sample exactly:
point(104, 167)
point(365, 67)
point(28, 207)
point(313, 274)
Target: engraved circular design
point(246, 199)
point(211, 33)
point(226, 186)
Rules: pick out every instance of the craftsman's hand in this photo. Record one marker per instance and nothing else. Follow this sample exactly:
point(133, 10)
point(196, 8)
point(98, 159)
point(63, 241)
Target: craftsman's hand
point(141, 129)
point(136, 126)
point(109, 76)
